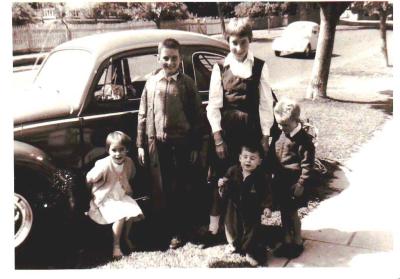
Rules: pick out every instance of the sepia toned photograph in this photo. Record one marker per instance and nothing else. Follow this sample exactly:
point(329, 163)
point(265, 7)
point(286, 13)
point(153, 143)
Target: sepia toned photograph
point(203, 135)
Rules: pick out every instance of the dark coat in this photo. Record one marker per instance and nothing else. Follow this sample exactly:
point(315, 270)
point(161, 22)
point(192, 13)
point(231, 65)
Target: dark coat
point(249, 196)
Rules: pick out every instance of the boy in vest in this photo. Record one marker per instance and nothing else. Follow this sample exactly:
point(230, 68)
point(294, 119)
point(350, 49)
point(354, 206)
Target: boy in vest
point(240, 106)
point(168, 125)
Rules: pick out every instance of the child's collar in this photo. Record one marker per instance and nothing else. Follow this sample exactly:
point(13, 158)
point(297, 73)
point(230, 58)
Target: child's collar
point(295, 130)
point(161, 75)
point(231, 58)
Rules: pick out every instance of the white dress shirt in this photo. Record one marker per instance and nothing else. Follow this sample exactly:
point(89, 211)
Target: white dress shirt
point(242, 70)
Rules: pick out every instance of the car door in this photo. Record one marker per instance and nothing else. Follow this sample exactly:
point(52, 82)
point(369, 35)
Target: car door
point(113, 101)
point(200, 68)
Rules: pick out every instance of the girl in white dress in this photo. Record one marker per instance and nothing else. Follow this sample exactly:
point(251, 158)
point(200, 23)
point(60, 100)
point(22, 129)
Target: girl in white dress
point(111, 190)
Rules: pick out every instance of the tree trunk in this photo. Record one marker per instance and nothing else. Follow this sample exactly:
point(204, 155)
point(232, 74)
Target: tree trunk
point(158, 23)
point(221, 17)
point(68, 32)
point(302, 11)
point(329, 12)
point(382, 28)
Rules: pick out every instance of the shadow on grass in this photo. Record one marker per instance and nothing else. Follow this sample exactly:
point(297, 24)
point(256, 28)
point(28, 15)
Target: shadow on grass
point(302, 56)
point(329, 180)
point(385, 106)
point(228, 264)
point(262, 40)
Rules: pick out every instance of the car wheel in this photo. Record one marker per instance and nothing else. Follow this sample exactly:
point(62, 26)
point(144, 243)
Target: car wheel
point(41, 225)
point(308, 51)
point(23, 219)
point(277, 53)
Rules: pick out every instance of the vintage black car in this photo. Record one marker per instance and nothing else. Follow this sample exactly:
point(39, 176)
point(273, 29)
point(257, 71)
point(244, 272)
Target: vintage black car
point(84, 89)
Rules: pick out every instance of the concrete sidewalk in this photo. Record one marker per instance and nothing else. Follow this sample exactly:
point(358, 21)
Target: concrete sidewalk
point(357, 227)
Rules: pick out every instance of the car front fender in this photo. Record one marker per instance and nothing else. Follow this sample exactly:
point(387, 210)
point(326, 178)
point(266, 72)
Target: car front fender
point(28, 156)
point(60, 182)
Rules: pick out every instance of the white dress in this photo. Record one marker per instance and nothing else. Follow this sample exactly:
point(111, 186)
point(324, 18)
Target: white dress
point(116, 204)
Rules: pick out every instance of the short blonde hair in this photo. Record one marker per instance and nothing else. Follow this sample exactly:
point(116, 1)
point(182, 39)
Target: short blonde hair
point(239, 27)
point(287, 109)
point(119, 137)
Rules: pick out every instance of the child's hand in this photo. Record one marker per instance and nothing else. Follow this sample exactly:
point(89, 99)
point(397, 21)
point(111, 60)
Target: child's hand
point(193, 156)
point(265, 144)
point(222, 181)
point(298, 190)
point(141, 156)
point(221, 150)
point(267, 212)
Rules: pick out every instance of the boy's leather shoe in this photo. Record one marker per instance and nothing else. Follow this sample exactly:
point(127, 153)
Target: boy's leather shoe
point(210, 240)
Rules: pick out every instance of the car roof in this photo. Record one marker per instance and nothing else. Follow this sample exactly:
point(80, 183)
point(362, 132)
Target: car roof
point(105, 44)
point(304, 23)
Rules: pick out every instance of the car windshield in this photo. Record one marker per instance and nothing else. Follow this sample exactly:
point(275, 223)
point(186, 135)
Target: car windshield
point(297, 29)
point(65, 72)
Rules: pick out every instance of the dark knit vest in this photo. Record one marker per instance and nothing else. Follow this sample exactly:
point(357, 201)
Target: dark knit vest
point(239, 93)
point(241, 98)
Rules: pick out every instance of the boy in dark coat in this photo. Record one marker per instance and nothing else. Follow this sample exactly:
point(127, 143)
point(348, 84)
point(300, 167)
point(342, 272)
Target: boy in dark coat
point(248, 193)
point(293, 162)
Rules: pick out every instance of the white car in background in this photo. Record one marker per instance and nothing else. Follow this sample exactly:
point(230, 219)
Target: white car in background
point(298, 37)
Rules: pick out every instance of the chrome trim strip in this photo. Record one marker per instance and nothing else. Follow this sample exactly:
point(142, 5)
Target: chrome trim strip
point(70, 120)
point(108, 114)
point(47, 123)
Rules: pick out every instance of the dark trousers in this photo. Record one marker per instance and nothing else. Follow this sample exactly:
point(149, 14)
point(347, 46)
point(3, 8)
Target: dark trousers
point(175, 167)
point(243, 233)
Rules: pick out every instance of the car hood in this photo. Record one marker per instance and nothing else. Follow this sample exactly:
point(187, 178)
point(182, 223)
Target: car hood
point(36, 104)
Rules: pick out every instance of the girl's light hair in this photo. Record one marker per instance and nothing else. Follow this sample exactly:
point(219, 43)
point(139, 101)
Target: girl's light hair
point(120, 137)
point(239, 27)
point(287, 109)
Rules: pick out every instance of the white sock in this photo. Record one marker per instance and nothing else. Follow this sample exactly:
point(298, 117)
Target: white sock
point(214, 224)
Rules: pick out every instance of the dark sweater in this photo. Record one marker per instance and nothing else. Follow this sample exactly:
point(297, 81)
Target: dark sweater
point(294, 158)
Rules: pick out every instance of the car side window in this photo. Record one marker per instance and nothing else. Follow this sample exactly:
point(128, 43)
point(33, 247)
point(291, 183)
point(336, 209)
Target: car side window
point(140, 68)
point(203, 63)
point(111, 84)
point(122, 80)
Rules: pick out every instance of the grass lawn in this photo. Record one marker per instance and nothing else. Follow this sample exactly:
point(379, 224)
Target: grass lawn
point(360, 100)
